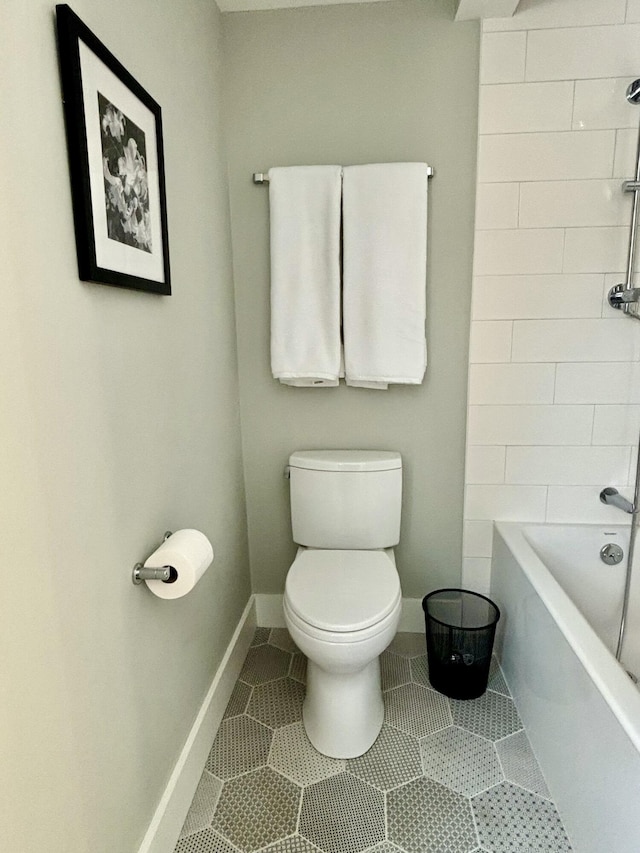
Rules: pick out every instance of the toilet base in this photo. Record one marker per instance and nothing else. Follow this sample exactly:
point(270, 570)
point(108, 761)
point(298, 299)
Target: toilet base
point(343, 712)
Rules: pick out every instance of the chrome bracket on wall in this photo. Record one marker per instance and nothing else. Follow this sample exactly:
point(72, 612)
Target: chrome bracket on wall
point(142, 573)
point(625, 296)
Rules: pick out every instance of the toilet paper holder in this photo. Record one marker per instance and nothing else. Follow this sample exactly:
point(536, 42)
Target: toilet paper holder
point(146, 573)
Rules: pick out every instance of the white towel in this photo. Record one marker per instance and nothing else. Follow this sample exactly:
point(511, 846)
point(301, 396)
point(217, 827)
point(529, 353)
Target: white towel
point(304, 206)
point(385, 261)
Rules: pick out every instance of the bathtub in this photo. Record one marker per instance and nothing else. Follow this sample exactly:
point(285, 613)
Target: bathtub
point(555, 641)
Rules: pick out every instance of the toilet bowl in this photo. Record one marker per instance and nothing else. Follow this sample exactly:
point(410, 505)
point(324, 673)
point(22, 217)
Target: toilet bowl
point(342, 609)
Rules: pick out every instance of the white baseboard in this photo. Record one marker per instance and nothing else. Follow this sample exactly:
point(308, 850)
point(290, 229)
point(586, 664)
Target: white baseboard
point(172, 809)
point(269, 613)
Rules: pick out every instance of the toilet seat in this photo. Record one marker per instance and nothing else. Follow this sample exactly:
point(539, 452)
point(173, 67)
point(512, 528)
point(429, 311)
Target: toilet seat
point(350, 639)
point(342, 592)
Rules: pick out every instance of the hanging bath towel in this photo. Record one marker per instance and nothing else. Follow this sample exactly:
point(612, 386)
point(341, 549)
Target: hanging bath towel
point(385, 263)
point(304, 204)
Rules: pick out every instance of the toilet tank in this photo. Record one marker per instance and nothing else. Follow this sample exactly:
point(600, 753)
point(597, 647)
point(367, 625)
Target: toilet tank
point(346, 499)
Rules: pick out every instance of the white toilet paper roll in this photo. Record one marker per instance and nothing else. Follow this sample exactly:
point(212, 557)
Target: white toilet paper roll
point(189, 553)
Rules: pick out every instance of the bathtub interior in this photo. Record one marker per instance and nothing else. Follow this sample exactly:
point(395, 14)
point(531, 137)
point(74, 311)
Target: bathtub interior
point(572, 555)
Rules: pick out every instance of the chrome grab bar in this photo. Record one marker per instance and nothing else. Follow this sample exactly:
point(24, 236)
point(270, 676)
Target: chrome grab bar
point(625, 296)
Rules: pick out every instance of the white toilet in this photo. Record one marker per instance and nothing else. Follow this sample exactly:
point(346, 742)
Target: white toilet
point(342, 596)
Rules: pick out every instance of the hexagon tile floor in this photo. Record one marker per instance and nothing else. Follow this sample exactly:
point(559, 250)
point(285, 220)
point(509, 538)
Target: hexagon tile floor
point(444, 776)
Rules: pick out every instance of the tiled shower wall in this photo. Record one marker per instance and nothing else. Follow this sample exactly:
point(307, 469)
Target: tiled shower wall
point(554, 374)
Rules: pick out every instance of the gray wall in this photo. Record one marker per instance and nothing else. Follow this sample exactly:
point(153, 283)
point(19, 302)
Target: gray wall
point(119, 419)
point(356, 84)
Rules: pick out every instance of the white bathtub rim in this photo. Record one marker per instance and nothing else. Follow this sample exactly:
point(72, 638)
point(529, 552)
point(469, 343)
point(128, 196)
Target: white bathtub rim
point(616, 687)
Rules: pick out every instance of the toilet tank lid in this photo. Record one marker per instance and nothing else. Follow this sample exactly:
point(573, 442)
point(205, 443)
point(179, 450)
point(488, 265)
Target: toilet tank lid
point(346, 460)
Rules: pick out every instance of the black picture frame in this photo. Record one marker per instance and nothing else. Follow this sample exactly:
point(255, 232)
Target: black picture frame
point(116, 164)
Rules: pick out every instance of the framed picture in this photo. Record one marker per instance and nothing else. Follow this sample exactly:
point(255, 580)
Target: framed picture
point(116, 163)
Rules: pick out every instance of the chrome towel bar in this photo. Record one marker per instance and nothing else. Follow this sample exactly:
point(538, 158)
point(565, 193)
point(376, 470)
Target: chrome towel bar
point(263, 177)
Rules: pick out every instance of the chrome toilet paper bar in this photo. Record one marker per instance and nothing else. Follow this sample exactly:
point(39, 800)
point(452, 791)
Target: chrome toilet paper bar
point(143, 573)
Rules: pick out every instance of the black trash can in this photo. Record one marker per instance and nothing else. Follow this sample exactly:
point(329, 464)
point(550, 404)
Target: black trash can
point(460, 629)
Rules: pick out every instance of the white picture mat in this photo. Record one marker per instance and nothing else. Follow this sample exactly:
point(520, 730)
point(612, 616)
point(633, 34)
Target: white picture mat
point(110, 254)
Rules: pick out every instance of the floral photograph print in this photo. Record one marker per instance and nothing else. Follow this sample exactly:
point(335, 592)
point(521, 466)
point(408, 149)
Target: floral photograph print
point(126, 187)
point(116, 165)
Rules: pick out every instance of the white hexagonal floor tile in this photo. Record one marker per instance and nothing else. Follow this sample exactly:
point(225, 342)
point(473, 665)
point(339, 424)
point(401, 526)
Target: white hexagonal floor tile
point(293, 844)
point(496, 678)
point(264, 663)
point(281, 638)
point(394, 670)
point(277, 703)
point(205, 841)
point(257, 809)
point(420, 670)
point(238, 700)
point(261, 636)
point(426, 817)
point(393, 759)
point(492, 715)
point(241, 744)
point(461, 760)
point(416, 710)
point(342, 815)
point(520, 765)
point(512, 820)
point(292, 755)
point(203, 804)
point(298, 668)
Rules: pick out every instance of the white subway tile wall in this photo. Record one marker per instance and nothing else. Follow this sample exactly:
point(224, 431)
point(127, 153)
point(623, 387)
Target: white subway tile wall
point(579, 53)
point(490, 341)
point(574, 340)
point(554, 376)
point(573, 204)
point(531, 250)
point(565, 155)
point(625, 152)
point(595, 249)
point(633, 11)
point(599, 104)
point(522, 107)
point(532, 15)
point(581, 505)
point(503, 57)
point(614, 425)
point(497, 206)
point(514, 384)
point(567, 466)
point(526, 425)
point(535, 297)
point(609, 383)
point(478, 538)
point(485, 463)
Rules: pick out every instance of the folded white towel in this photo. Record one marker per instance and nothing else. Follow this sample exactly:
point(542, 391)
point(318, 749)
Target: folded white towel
point(304, 206)
point(385, 260)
